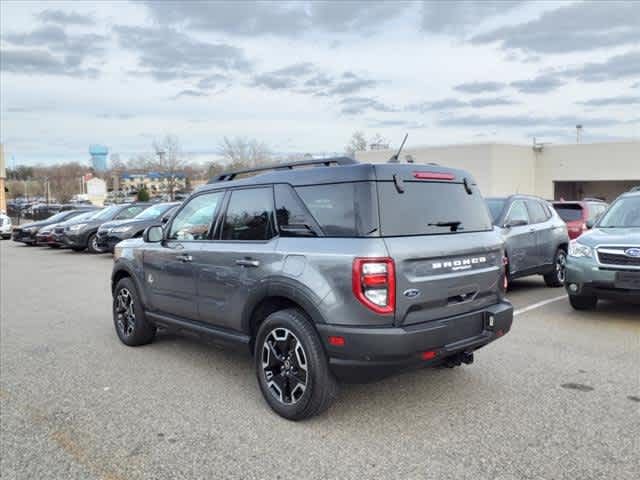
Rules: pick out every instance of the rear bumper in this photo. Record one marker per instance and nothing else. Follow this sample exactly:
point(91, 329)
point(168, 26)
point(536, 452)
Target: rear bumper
point(370, 353)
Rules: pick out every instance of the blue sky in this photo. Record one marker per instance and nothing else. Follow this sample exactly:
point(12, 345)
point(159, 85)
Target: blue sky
point(302, 76)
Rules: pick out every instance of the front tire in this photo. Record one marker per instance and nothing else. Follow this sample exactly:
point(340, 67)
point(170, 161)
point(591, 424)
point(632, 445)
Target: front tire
point(132, 327)
point(583, 302)
point(92, 244)
point(292, 367)
point(556, 277)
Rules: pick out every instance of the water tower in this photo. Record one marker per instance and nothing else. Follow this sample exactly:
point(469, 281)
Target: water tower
point(98, 157)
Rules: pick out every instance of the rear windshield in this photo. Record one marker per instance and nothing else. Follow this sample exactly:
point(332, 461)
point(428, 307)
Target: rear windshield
point(430, 208)
point(569, 212)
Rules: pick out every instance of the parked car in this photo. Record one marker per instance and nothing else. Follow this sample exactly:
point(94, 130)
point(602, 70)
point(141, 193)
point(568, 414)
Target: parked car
point(27, 233)
point(579, 216)
point(5, 226)
point(82, 234)
point(317, 273)
point(605, 262)
point(57, 234)
point(536, 238)
point(110, 233)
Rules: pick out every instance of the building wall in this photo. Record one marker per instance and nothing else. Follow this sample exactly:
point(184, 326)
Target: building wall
point(502, 169)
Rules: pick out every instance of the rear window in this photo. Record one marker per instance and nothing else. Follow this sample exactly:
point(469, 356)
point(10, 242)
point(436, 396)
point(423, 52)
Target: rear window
point(342, 209)
point(569, 212)
point(496, 206)
point(429, 208)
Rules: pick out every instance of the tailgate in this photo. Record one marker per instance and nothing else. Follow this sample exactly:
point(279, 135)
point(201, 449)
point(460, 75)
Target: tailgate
point(439, 276)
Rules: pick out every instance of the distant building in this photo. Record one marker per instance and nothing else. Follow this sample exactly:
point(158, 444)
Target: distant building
point(98, 157)
point(96, 191)
point(156, 183)
point(3, 176)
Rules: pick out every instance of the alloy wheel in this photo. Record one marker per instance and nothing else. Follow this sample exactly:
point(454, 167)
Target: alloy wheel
point(561, 263)
point(284, 365)
point(125, 314)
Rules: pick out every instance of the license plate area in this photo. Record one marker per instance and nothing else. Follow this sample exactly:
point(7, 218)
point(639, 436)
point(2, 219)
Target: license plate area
point(628, 280)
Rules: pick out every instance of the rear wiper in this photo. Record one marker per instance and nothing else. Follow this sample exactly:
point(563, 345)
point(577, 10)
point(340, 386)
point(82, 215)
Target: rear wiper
point(453, 225)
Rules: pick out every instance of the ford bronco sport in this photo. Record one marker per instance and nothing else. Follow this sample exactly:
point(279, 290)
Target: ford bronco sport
point(336, 270)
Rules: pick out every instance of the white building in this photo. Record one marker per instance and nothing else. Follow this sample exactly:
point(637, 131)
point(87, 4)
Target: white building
point(551, 171)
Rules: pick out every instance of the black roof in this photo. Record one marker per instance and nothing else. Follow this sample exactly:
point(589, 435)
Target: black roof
point(329, 170)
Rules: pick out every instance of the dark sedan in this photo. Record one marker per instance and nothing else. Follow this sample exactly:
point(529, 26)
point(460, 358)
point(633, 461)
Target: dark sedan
point(82, 234)
point(110, 233)
point(27, 233)
point(52, 234)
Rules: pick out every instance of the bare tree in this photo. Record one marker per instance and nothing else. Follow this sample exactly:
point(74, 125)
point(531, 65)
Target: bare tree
point(168, 160)
point(357, 143)
point(243, 152)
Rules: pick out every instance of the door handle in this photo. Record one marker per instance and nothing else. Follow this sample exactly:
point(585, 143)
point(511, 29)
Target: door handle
point(184, 258)
point(247, 262)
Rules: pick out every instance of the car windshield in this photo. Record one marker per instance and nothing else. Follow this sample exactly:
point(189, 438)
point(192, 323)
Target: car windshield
point(86, 215)
point(496, 206)
point(107, 213)
point(624, 213)
point(152, 212)
point(58, 217)
point(569, 212)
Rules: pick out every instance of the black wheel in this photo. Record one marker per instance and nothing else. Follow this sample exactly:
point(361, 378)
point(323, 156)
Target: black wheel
point(77, 249)
point(92, 244)
point(556, 277)
point(583, 302)
point(292, 367)
point(132, 327)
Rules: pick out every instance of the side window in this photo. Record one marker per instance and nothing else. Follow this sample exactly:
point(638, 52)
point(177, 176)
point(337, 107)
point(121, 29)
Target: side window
point(536, 211)
point(249, 215)
point(291, 215)
point(518, 213)
point(129, 212)
point(194, 221)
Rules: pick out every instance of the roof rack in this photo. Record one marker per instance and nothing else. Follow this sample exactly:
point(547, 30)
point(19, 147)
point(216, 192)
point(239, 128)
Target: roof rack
point(592, 199)
point(327, 162)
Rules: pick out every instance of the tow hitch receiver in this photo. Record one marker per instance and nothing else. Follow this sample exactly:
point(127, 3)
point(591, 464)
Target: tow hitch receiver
point(462, 357)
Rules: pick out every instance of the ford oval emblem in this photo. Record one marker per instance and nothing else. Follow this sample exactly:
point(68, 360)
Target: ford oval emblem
point(632, 252)
point(411, 293)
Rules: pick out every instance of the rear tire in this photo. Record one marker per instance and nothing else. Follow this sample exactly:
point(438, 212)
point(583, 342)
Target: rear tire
point(292, 367)
point(583, 302)
point(556, 277)
point(131, 324)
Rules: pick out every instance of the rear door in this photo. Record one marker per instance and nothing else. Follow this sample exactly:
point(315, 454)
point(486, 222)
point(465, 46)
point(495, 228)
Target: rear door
point(234, 267)
point(447, 257)
point(169, 269)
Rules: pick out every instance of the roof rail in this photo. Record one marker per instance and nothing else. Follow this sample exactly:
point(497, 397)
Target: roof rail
point(327, 162)
point(592, 199)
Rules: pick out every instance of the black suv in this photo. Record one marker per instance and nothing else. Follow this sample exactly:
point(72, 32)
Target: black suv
point(343, 270)
point(82, 234)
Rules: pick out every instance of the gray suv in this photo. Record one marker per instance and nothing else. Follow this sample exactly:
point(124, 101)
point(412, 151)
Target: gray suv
point(337, 270)
point(536, 238)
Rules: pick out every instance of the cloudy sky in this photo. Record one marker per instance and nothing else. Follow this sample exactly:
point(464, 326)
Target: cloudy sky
point(302, 76)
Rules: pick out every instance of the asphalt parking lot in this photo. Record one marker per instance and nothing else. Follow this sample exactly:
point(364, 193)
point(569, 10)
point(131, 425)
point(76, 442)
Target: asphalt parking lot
point(558, 397)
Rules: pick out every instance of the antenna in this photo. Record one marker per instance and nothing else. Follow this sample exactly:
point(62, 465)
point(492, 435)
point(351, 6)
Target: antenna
point(394, 158)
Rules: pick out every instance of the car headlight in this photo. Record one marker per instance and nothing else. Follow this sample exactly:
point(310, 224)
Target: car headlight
point(75, 228)
point(579, 250)
point(120, 229)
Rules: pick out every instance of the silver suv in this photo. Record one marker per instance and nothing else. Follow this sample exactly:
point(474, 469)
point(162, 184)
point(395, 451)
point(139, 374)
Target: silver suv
point(323, 269)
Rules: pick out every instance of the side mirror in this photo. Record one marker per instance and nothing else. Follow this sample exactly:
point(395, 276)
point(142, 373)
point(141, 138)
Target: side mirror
point(590, 223)
point(153, 234)
point(515, 223)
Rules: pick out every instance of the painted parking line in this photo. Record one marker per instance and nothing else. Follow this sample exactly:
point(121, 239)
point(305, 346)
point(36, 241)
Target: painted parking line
point(522, 310)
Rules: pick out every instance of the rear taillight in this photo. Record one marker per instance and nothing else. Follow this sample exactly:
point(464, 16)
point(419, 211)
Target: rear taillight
point(374, 284)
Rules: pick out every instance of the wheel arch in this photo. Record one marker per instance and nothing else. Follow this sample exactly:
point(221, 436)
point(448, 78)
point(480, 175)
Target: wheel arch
point(121, 271)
